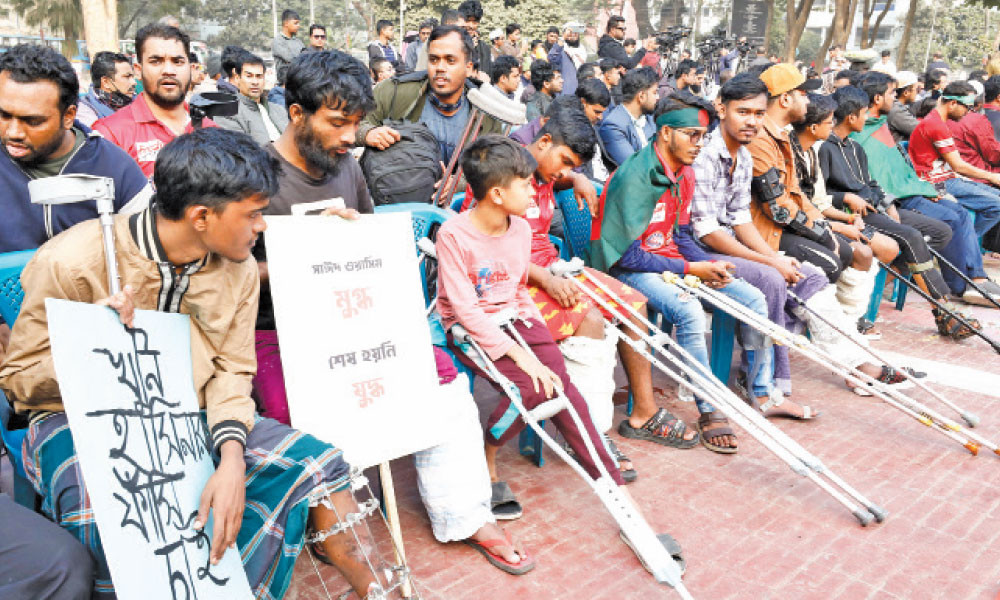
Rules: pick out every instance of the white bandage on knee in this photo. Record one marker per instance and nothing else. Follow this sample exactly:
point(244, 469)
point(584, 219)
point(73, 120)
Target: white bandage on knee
point(590, 364)
point(854, 290)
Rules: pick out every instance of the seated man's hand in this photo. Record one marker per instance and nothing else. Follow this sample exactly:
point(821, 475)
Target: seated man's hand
point(225, 495)
point(348, 214)
point(713, 273)
point(850, 231)
point(858, 204)
point(788, 267)
point(563, 291)
point(382, 137)
point(585, 191)
point(124, 304)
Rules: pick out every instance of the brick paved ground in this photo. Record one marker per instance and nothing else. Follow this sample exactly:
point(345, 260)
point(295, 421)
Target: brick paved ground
point(749, 526)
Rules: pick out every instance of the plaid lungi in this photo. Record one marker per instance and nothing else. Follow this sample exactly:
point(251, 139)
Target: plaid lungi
point(563, 322)
point(286, 472)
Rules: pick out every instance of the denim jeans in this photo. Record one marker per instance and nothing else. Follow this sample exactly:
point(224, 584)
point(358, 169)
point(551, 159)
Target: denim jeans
point(963, 249)
point(981, 198)
point(686, 314)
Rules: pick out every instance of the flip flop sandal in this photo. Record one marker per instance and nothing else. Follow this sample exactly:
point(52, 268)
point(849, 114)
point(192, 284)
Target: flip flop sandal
point(776, 399)
point(707, 419)
point(662, 428)
point(865, 328)
point(503, 503)
point(519, 568)
point(890, 376)
point(949, 326)
point(669, 544)
point(628, 475)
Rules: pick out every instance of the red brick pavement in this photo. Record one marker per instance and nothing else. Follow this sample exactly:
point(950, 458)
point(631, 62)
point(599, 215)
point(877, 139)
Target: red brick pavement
point(749, 526)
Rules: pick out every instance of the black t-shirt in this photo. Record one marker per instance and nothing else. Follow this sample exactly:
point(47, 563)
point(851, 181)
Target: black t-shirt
point(297, 187)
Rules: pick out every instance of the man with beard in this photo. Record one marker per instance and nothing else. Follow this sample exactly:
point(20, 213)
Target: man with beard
point(435, 97)
point(159, 113)
point(112, 88)
point(627, 127)
point(262, 120)
point(328, 94)
point(567, 55)
point(610, 44)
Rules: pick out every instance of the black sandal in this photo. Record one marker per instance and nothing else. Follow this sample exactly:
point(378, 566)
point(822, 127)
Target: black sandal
point(711, 418)
point(949, 326)
point(503, 503)
point(662, 428)
point(628, 475)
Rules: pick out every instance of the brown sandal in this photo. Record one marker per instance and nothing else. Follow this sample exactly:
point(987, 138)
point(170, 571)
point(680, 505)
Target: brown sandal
point(711, 418)
point(949, 326)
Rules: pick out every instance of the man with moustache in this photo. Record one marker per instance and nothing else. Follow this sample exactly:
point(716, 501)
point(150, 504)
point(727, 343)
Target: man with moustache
point(159, 113)
point(261, 120)
point(435, 97)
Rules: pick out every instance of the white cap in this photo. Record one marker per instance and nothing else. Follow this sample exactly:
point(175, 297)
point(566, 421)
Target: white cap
point(574, 26)
point(905, 79)
point(978, 85)
point(496, 34)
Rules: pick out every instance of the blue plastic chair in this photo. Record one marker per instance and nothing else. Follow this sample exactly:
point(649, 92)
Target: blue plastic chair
point(876, 298)
point(457, 200)
point(11, 295)
point(576, 224)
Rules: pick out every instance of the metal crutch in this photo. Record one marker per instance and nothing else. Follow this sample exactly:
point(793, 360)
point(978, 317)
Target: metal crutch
point(964, 277)
point(645, 543)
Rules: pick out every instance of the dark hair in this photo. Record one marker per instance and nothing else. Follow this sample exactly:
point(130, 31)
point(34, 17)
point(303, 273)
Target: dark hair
point(502, 65)
point(160, 32)
point(251, 59)
point(978, 75)
point(742, 87)
point(471, 9)
point(629, 42)
point(494, 161)
point(328, 78)
point(562, 103)
point(924, 107)
point(28, 63)
point(382, 24)
point(684, 67)
point(314, 27)
point(552, 29)
point(593, 91)
point(428, 24)
point(607, 65)
point(874, 84)
point(445, 30)
point(232, 59)
point(958, 88)
point(212, 167)
point(991, 89)
point(587, 70)
point(192, 58)
point(669, 104)
point(289, 15)
point(449, 16)
point(933, 78)
point(542, 72)
point(571, 128)
point(636, 81)
point(104, 64)
point(820, 107)
point(850, 100)
point(511, 28)
point(614, 21)
point(375, 64)
point(886, 53)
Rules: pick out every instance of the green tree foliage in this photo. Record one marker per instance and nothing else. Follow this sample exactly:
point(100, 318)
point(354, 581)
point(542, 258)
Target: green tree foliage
point(64, 16)
point(133, 14)
point(960, 34)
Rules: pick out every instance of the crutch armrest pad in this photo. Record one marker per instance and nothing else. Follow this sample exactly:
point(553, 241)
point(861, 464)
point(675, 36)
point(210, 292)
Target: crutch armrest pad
point(563, 268)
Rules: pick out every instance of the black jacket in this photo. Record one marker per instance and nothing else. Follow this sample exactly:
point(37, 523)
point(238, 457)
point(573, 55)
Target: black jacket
point(845, 167)
point(609, 47)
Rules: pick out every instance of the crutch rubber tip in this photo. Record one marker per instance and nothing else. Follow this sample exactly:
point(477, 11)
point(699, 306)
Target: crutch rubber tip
point(878, 512)
point(973, 448)
point(970, 418)
point(863, 517)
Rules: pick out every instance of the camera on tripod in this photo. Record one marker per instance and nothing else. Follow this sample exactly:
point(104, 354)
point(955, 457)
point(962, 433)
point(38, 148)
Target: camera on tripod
point(666, 41)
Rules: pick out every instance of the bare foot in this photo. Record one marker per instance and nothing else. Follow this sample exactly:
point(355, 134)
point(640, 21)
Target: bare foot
point(512, 553)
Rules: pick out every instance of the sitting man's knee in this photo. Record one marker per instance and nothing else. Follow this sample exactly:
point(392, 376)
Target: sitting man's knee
point(592, 325)
point(884, 248)
point(862, 257)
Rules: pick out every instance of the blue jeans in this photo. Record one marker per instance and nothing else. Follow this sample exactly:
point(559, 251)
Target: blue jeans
point(981, 198)
point(963, 249)
point(685, 312)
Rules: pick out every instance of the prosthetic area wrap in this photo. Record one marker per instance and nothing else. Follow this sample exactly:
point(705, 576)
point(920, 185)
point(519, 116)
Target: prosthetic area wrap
point(854, 289)
point(591, 367)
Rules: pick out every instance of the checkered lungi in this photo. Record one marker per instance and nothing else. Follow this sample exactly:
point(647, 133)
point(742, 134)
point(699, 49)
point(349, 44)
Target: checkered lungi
point(286, 472)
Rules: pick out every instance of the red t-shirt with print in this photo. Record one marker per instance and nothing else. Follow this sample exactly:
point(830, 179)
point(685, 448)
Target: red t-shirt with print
point(929, 142)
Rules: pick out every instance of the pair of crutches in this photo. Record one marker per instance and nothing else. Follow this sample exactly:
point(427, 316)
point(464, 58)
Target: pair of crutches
point(704, 383)
point(893, 397)
point(640, 535)
point(484, 100)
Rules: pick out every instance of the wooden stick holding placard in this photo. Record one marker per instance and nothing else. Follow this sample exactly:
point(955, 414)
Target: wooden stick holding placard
point(392, 515)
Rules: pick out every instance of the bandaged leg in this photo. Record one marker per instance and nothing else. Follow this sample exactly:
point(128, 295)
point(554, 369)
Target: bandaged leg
point(452, 477)
point(854, 290)
point(590, 364)
point(827, 338)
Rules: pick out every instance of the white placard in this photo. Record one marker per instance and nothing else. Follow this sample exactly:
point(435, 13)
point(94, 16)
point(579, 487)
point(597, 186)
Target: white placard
point(143, 449)
point(355, 345)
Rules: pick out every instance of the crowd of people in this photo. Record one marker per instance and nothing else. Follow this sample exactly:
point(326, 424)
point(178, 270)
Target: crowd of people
point(767, 182)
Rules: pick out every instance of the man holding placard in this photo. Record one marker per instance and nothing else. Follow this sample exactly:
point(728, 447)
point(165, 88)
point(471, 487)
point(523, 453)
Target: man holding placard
point(188, 254)
point(327, 94)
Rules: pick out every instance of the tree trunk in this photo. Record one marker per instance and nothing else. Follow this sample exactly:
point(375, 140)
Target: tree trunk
point(840, 28)
point(796, 17)
point(866, 18)
point(878, 24)
point(768, 22)
point(100, 25)
point(641, 8)
point(904, 42)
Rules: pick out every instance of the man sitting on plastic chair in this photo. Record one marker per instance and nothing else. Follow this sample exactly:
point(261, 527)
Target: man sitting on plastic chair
point(484, 263)
point(566, 141)
point(327, 94)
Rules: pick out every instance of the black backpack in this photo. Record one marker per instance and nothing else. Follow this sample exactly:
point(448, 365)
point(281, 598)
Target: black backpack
point(407, 170)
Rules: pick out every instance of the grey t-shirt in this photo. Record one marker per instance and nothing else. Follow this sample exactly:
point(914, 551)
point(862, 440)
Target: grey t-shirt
point(296, 187)
point(447, 130)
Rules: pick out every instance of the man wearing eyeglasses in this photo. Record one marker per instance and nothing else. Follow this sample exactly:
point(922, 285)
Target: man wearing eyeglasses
point(317, 38)
point(610, 44)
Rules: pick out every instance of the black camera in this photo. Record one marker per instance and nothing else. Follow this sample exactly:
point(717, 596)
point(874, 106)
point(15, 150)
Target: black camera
point(666, 41)
point(211, 105)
